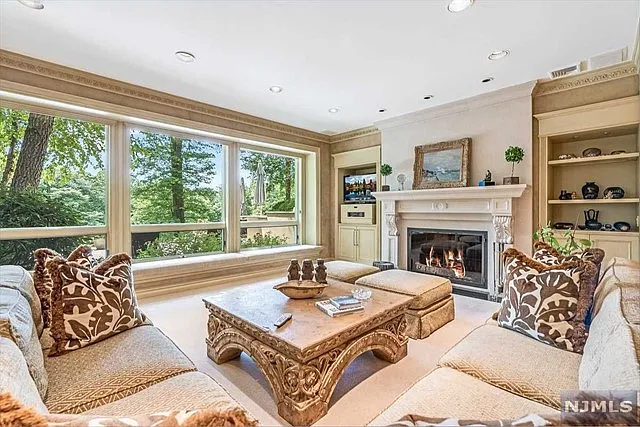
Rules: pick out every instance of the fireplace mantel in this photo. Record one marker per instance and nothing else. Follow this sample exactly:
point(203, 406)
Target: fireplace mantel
point(489, 208)
point(492, 192)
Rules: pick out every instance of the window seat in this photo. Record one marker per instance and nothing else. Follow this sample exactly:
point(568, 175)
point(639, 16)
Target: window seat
point(170, 275)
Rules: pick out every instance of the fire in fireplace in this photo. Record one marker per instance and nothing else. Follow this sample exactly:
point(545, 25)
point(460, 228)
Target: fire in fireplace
point(460, 256)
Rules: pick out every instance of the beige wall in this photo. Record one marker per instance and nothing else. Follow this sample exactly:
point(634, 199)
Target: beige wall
point(493, 122)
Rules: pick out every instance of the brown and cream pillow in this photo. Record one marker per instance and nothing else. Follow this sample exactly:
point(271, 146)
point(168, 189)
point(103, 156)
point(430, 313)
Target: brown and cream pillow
point(88, 306)
point(82, 255)
point(541, 301)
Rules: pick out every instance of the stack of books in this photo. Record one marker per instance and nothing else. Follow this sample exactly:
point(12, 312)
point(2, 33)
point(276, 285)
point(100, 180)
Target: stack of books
point(338, 306)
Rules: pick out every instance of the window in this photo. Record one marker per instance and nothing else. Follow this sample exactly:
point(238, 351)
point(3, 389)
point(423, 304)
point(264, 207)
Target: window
point(177, 195)
point(269, 199)
point(53, 175)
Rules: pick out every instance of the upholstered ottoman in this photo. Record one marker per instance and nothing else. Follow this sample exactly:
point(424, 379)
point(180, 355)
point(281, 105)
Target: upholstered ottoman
point(432, 305)
point(349, 272)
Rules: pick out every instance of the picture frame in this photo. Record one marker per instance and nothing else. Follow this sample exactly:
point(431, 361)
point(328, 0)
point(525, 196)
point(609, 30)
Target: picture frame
point(442, 165)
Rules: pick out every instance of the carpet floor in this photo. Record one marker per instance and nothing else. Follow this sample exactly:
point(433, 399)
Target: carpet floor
point(368, 386)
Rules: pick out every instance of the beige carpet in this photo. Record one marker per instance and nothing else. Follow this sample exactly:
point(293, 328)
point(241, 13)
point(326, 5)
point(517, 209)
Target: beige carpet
point(368, 386)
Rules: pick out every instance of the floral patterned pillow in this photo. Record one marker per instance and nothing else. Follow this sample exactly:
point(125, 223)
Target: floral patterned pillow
point(541, 301)
point(42, 280)
point(88, 306)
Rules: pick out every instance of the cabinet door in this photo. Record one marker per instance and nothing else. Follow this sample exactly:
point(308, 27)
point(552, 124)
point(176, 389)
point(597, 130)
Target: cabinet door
point(367, 245)
point(616, 246)
point(347, 243)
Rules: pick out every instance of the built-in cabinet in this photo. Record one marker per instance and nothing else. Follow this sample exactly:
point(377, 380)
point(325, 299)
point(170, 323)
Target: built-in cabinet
point(566, 137)
point(357, 243)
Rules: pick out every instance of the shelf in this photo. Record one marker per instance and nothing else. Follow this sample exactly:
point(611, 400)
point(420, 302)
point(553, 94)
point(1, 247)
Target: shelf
point(607, 158)
point(594, 201)
point(601, 233)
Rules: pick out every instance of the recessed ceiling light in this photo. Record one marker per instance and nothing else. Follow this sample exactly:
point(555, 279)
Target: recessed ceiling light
point(185, 56)
point(487, 79)
point(428, 97)
point(382, 110)
point(498, 54)
point(334, 110)
point(459, 5)
point(276, 89)
point(33, 4)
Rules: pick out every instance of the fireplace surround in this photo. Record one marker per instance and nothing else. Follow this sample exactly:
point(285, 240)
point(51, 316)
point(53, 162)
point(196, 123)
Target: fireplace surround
point(487, 211)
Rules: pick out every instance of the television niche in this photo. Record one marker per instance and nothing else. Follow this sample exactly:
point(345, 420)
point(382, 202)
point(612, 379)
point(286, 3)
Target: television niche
point(358, 188)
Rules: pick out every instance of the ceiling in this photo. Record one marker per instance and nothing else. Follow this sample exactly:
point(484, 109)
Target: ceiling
point(359, 56)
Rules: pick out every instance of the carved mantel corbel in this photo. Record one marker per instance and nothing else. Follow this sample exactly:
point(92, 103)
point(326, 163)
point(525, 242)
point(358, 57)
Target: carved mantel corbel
point(502, 227)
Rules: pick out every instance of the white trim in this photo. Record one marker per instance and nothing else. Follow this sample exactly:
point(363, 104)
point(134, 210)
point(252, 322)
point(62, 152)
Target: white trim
point(188, 226)
point(49, 232)
point(270, 224)
point(495, 191)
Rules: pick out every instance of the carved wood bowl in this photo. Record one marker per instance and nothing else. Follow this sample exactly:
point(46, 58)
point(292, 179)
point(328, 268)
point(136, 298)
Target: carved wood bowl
point(301, 290)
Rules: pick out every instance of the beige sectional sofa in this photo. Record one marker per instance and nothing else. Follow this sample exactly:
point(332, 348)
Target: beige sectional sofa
point(139, 371)
point(495, 373)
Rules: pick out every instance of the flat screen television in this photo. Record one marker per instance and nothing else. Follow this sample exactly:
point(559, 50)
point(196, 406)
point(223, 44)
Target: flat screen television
point(358, 188)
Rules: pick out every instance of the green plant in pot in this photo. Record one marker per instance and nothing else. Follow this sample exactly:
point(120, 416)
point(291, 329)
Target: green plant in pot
point(566, 245)
point(385, 171)
point(513, 155)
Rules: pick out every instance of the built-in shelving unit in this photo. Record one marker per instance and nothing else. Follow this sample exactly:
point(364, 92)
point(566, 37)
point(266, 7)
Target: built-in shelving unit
point(612, 127)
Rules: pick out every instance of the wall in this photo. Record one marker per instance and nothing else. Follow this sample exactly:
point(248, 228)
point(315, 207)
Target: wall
point(355, 140)
point(493, 121)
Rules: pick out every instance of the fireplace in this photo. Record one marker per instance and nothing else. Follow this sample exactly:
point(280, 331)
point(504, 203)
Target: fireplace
point(458, 255)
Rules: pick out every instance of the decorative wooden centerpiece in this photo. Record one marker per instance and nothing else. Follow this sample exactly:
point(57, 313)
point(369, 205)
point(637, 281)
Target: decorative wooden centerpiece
point(309, 284)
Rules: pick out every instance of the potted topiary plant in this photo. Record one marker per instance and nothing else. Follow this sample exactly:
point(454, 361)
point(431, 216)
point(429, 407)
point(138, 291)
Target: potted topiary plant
point(385, 171)
point(514, 155)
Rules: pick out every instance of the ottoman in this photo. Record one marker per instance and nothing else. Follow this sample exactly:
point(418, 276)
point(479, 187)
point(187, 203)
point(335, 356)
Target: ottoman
point(432, 305)
point(349, 272)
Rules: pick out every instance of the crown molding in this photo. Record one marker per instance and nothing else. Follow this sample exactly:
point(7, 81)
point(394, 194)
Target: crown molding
point(601, 75)
point(479, 101)
point(57, 72)
point(352, 134)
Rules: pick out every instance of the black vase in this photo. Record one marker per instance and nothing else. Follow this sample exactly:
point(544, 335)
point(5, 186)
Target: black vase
point(590, 190)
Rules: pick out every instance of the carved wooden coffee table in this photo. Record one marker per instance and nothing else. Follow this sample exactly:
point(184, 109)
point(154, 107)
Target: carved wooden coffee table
point(305, 358)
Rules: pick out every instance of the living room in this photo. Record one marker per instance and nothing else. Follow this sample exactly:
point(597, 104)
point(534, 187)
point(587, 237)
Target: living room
point(329, 213)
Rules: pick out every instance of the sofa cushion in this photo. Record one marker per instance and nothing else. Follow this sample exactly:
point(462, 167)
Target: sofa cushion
point(502, 358)
point(349, 272)
point(16, 324)
point(542, 301)
point(426, 289)
point(42, 280)
point(88, 306)
point(618, 271)
point(188, 391)
point(611, 356)
point(446, 392)
point(16, 277)
point(112, 369)
point(15, 378)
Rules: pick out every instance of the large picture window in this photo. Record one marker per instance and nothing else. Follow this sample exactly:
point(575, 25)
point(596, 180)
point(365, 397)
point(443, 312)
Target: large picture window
point(177, 195)
point(269, 199)
point(53, 175)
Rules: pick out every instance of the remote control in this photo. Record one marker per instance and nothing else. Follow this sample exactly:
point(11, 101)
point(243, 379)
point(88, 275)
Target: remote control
point(283, 319)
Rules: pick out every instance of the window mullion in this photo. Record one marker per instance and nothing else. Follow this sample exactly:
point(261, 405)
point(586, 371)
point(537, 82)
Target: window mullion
point(233, 203)
point(118, 206)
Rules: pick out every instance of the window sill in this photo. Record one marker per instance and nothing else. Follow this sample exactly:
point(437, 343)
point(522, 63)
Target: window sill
point(162, 276)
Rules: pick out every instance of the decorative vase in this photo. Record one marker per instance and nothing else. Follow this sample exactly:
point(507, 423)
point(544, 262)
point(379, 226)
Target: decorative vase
point(509, 180)
point(590, 190)
point(591, 152)
point(564, 195)
point(613, 193)
point(591, 220)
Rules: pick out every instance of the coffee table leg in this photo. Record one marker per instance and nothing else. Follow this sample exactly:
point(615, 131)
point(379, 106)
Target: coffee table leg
point(224, 342)
point(391, 357)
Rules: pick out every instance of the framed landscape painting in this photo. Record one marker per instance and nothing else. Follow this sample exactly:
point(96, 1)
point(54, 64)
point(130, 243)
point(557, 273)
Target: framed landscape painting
point(442, 165)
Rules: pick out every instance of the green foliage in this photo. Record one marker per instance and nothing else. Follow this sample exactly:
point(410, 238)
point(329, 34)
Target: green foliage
point(34, 208)
point(569, 244)
point(386, 169)
point(514, 154)
point(260, 240)
point(181, 244)
point(280, 174)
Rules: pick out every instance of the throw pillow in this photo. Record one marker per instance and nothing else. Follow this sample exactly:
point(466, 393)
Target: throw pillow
point(541, 301)
point(549, 256)
point(42, 280)
point(15, 414)
point(88, 306)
